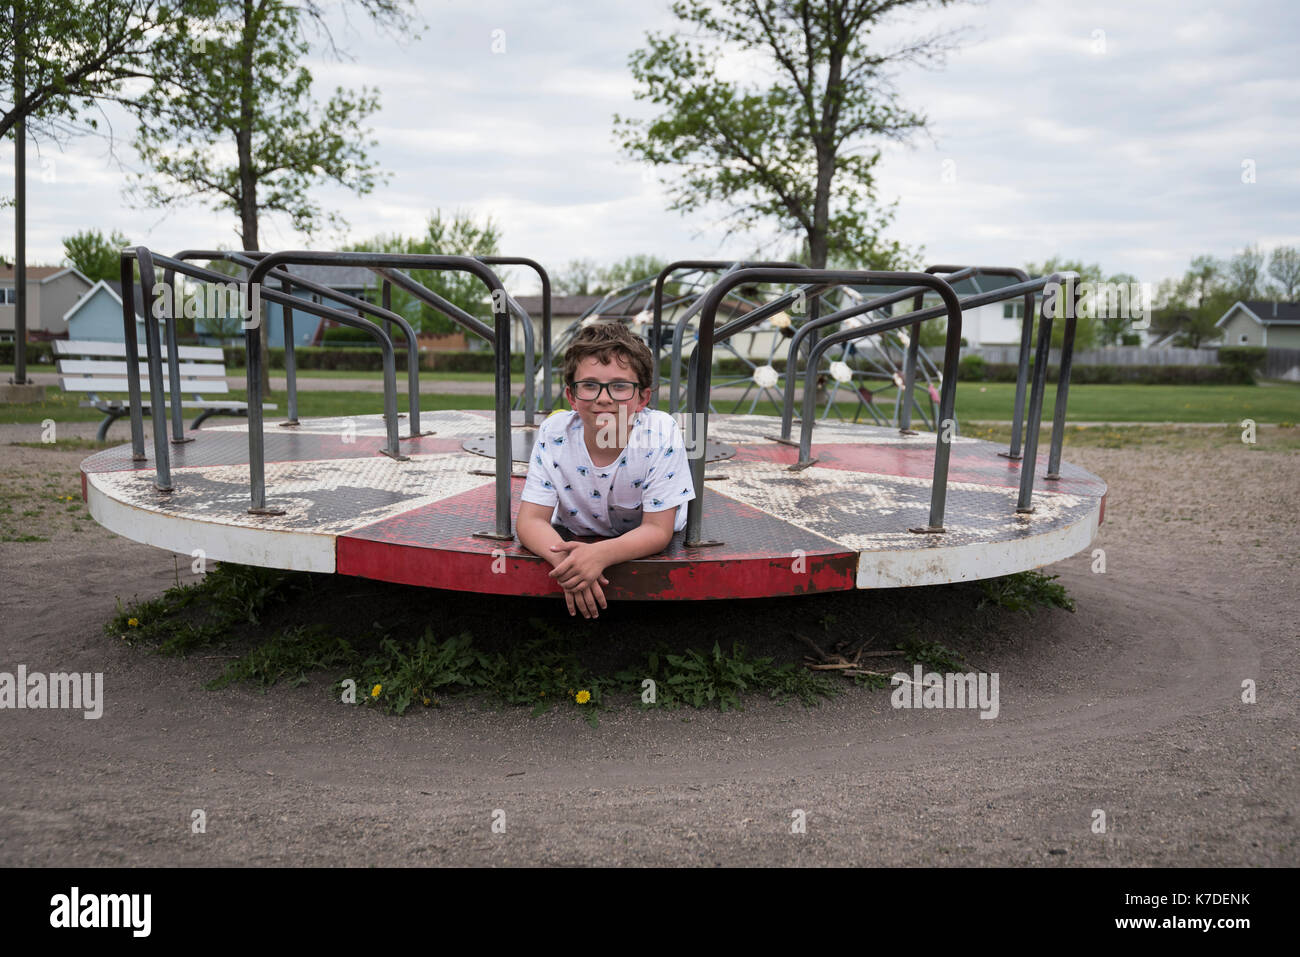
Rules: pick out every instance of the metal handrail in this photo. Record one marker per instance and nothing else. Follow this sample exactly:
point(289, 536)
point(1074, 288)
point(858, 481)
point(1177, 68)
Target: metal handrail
point(249, 258)
point(658, 309)
point(501, 342)
point(701, 372)
point(807, 330)
point(1026, 325)
point(546, 330)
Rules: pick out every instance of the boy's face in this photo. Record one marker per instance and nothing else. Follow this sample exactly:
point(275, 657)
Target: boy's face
point(605, 412)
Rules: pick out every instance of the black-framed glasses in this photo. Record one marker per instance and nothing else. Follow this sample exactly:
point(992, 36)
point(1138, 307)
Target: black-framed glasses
point(588, 390)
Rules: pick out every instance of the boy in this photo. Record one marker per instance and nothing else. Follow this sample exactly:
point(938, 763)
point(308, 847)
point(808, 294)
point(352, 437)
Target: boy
point(610, 467)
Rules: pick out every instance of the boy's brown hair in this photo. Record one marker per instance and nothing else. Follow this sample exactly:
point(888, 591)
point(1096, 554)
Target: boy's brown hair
point(603, 340)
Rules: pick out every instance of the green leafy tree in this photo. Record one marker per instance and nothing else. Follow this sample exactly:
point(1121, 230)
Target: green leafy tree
point(457, 235)
point(797, 149)
point(75, 54)
point(1284, 268)
point(1190, 306)
point(628, 270)
point(579, 278)
point(1088, 330)
point(95, 256)
point(1245, 273)
point(233, 122)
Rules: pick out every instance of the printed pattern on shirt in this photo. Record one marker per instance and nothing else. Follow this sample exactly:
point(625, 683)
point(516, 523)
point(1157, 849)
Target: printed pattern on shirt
point(652, 474)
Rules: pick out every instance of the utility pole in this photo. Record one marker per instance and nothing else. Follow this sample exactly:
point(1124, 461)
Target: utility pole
point(20, 209)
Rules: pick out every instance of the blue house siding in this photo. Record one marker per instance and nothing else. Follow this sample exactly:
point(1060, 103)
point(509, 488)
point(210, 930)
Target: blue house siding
point(99, 318)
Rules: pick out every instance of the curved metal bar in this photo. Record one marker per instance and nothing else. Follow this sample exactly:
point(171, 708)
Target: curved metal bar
point(792, 353)
point(1024, 502)
point(501, 342)
point(679, 327)
point(703, 356)
point(257, 466)
point(1026, 327)
point(546, 324)
point(947, 396)
point(426, 295)
point(250, 258)
point(153, 355)
point(136, 403)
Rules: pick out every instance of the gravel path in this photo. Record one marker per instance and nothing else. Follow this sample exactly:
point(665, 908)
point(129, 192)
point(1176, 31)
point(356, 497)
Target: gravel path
point(1132, 705)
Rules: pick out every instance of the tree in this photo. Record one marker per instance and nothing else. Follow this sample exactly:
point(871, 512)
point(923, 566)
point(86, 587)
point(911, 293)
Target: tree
point(797, 152)
point(1089, 331)
point(93, 255)
point(577, 279)
point(629, 269)
point(1191, 306)
point(237, 81)
point(75, 54)
point(1284, 267)
point(460, 235)
point(1245, 271)
point(58, 57)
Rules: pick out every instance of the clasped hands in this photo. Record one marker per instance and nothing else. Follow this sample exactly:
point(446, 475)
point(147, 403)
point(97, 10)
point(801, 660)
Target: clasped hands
point(581, 575)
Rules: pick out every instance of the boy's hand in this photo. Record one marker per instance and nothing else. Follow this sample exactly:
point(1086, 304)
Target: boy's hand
point(586, 599)
point(581, 569)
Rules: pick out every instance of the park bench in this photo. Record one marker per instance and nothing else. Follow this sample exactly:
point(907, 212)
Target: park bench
point(99, 370)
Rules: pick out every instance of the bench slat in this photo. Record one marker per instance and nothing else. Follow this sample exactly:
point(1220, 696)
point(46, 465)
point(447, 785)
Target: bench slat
point(89, 347)
point(189, 370)
point(215, 386)
point(185, 404)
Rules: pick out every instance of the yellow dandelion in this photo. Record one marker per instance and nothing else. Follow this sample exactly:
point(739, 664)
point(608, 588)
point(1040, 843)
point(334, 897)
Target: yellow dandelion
point(133, 622)
point(541, 694)
point(374, 692)
point(582, 697)
point(426, 702)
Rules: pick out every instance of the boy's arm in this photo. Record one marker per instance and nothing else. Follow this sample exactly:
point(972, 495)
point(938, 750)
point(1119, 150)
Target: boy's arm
point(650, 537)
point(535, 532)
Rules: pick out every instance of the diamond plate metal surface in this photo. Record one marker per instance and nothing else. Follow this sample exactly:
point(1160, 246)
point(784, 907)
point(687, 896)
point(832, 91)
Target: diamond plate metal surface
point(414, 521)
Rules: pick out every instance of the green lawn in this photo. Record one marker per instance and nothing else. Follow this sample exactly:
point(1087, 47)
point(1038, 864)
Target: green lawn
point(1272, 403)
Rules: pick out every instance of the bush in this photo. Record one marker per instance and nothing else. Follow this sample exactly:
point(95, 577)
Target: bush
point(38, 353)
point(1248, 358)
point(1128, 375)
point(972, 368)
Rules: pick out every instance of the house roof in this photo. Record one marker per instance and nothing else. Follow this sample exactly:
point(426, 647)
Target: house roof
point(114, 289)
point(1265, 313)
point(41, 274)
point(337, 277)
point(561, 306)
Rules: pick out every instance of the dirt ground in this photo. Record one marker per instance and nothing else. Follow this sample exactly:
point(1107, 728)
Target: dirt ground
point(1131, 705)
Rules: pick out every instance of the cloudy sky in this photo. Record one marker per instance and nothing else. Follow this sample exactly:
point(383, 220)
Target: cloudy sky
point(1119, 133)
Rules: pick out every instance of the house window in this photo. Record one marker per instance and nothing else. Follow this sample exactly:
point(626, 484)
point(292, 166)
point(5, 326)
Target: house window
point(1245, 338)
point(11, 295)
point(1013, 310)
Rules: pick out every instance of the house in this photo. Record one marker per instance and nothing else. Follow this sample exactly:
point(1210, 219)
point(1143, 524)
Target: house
point(51, 292)
point(565, 311)
point(97, 316)
point(1273, 325)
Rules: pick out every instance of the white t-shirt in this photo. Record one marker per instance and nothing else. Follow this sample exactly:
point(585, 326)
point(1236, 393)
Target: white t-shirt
point(651, 475)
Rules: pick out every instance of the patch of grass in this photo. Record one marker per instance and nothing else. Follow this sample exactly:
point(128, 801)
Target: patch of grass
point(190, 616)
point(289, 655)
point(74, 444)
point(701, 680)
point(9, 537)
point(932, 655)
point(1025, 591)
